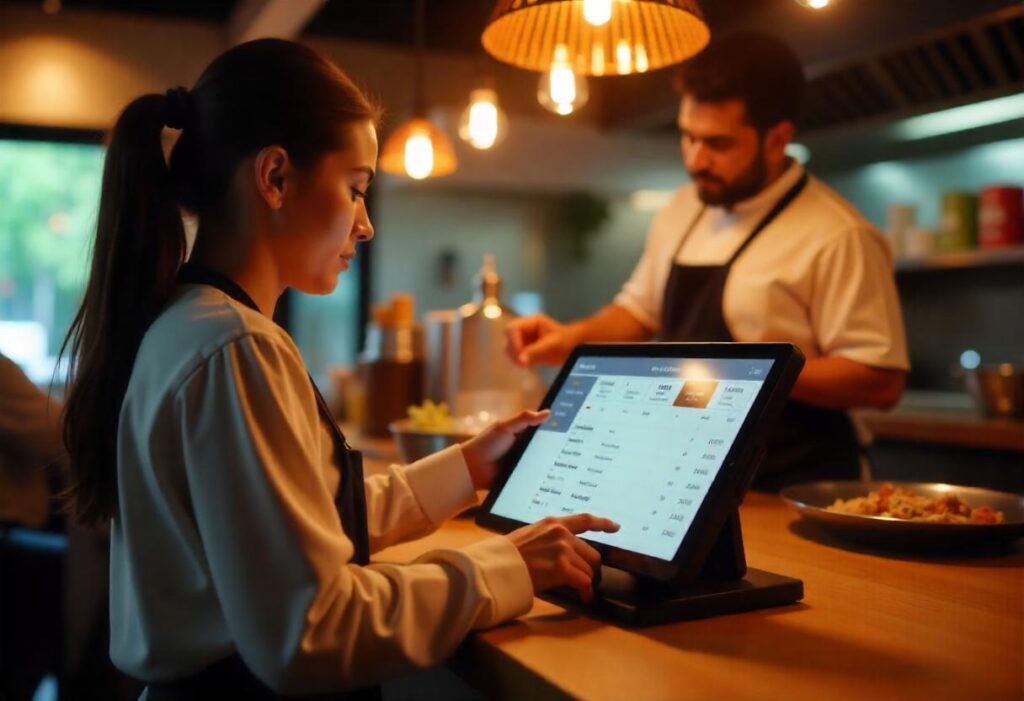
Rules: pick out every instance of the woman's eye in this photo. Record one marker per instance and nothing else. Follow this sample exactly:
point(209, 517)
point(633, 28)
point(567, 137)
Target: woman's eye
point(357, 194)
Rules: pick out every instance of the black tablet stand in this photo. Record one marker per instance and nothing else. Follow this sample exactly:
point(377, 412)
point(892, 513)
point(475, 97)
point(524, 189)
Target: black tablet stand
point(725, 585)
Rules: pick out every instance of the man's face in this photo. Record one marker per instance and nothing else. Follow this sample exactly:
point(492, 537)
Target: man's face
point(723, 153)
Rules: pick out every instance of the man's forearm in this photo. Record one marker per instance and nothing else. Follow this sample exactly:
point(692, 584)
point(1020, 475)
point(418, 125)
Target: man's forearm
point(612, 324)
point(840, 383)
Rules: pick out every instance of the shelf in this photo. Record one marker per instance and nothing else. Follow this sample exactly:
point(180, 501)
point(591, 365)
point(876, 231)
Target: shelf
point(942, 418)
point(963, 259)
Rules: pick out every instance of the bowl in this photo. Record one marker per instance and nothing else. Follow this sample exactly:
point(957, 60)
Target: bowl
point(415, 443)
point(998, 390)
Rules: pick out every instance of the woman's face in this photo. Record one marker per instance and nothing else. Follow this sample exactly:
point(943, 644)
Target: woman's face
point(326, 215)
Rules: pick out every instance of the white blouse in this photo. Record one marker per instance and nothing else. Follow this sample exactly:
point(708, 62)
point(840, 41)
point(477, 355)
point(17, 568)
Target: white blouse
point(819, 276)
point(227, 537)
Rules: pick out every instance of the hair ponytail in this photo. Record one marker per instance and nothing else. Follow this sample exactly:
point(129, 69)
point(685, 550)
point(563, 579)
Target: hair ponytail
point(139, 246)
point(260, 93)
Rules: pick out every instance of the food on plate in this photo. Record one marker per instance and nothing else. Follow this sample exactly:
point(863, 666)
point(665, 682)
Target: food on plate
point(896, 502)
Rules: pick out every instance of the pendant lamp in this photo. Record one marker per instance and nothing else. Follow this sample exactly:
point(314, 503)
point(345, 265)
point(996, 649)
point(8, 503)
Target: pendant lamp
point(595, 37)
point(418, 148)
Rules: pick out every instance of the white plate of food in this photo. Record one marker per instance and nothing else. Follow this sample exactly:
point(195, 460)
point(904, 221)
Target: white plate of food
point(901, 514)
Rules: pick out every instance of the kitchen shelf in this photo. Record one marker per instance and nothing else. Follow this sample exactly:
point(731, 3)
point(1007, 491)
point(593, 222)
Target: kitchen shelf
point(941, 418)
point(963, 259)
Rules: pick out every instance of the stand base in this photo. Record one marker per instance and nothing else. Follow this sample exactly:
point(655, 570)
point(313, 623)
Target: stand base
point(624, 599)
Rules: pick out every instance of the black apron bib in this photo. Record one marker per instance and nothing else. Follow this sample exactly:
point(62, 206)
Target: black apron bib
point(809, 443)
point(230, 677)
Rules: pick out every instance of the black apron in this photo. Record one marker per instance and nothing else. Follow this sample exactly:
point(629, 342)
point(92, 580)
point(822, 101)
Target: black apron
point(809, 443)
point(230, 677)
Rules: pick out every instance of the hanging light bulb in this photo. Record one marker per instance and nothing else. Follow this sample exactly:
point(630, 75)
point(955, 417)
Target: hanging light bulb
point(419, 156)
point(561, 90)
point(483, 123)
point(597, 12)
point(814, 4)
point(418, 149)
point(623, 57)
point(597, 60)
point(641, 63)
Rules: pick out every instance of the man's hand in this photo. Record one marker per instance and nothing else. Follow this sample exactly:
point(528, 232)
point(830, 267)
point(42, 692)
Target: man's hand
point(540, 339)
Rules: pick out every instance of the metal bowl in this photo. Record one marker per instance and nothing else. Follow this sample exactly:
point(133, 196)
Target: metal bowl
point(998, 390)
point(812, 500)
point(416, 443)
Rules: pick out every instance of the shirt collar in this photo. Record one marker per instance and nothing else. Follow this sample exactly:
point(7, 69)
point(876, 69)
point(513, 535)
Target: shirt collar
point(771, 194)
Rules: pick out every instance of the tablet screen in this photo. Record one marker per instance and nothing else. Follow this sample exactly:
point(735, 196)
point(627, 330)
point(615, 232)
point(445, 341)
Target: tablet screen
point(637, 440)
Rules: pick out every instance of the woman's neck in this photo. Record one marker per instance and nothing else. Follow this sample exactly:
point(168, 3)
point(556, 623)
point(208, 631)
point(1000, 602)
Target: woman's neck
point(245, 261)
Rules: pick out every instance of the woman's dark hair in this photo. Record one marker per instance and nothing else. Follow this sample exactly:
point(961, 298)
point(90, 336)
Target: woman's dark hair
point(759, 70)
point(257, 94)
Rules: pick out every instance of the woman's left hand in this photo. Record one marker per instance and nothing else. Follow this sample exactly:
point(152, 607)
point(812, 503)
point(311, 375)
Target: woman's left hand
point(483, 451)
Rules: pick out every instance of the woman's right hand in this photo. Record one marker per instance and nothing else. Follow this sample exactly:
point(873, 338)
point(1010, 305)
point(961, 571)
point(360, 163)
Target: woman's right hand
point(556, 557)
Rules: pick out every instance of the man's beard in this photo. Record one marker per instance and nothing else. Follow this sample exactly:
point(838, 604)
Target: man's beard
point(749, 183)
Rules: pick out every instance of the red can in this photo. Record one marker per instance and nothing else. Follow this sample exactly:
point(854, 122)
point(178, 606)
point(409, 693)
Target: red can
point(1001, 216)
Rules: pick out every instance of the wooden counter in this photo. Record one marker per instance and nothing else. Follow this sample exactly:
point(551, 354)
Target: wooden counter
point(871, 626)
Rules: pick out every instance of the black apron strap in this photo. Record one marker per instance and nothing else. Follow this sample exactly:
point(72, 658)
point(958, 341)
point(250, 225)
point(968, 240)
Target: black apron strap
point(350, 499)
point(773, 213)
point(231, 677)
point(808, 442)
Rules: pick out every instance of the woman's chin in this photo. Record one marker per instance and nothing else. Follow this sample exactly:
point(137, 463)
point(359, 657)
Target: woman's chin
point(321, 285)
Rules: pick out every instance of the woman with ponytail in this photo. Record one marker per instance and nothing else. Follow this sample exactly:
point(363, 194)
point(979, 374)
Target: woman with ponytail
point(241, 525)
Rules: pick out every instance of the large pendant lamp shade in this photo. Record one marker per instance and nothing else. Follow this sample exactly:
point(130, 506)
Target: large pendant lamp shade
point(600, 37)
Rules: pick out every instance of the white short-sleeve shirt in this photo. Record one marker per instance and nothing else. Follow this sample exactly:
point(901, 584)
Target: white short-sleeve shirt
point(819, 276)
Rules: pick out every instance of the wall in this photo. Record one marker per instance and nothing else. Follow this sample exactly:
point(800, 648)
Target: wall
point(414, 228)
point(79, 69)
point(921, 181)
point(948, 311)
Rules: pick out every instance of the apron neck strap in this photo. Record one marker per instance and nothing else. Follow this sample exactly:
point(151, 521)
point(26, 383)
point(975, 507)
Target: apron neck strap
point(783, 202)
point(195, 274)
point(775, 211)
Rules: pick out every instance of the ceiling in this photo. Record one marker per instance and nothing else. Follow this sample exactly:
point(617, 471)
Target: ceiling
point(867, 60)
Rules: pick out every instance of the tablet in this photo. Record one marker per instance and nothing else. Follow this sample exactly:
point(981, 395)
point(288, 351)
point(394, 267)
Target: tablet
point(662, 438)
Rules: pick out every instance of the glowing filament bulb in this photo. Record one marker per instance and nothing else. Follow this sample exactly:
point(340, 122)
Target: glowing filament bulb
point(597, 60)
point(598, 12)
point(641, 59)
point(419, 156)
point(562, 81)
point(623, 57)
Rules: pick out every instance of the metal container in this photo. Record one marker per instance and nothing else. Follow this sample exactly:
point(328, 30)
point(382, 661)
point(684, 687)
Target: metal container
point(1001, 216)
point(438, 331)
point(958, 229)
point(998, 390)
point(416, 443)
point(483, 380)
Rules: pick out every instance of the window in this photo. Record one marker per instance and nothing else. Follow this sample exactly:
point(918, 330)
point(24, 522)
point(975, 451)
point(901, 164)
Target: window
point(326, 328)
point(49, 198)
point(49, 190)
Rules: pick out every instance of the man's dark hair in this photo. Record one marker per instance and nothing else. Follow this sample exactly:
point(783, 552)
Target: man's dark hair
point(760, 70)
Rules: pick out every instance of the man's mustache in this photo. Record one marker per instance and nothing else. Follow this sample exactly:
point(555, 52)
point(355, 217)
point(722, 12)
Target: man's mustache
point(705, 175)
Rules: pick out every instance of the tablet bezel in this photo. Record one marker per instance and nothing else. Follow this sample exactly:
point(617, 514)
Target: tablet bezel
point(731, 481)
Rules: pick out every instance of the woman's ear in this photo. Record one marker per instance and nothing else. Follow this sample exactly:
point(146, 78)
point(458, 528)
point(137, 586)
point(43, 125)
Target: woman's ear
point(272, 169)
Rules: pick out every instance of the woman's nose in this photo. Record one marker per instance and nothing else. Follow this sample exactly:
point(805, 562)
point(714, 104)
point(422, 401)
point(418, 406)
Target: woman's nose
point(361, 227)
